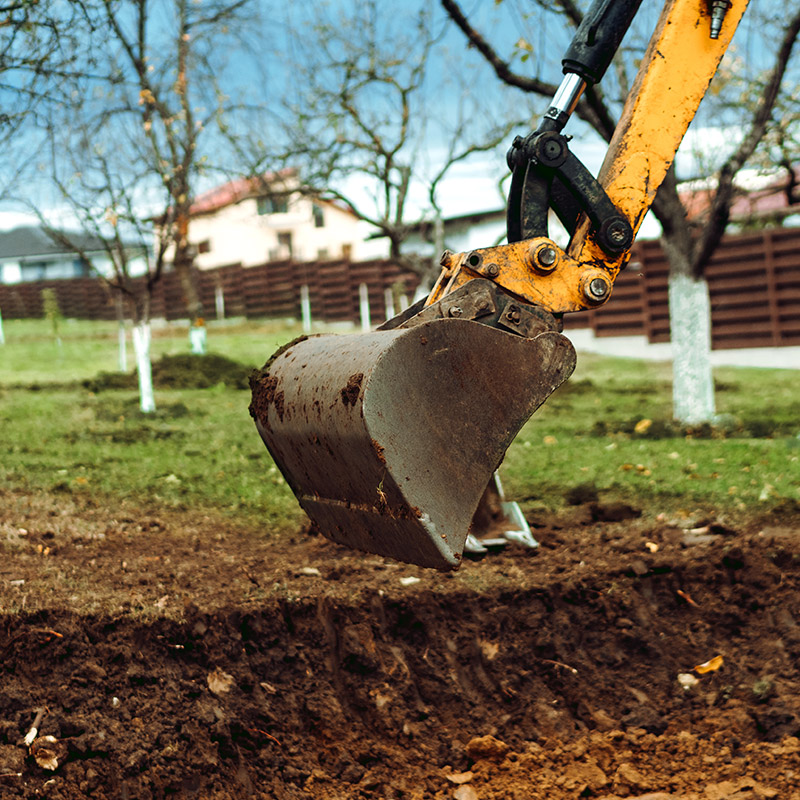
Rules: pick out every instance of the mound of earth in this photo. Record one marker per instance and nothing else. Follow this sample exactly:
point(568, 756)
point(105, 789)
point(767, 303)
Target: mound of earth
point(177, 654)
point(184, 371)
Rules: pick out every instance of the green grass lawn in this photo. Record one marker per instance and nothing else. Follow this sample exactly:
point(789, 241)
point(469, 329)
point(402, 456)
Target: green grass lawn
point(607, 430)
point(33, 354)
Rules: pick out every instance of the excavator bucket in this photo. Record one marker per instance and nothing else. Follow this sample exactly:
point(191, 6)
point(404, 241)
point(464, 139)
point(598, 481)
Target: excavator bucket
point(389, 438)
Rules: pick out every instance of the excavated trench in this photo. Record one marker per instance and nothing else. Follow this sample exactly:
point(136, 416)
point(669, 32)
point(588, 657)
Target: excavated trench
point(197, 666)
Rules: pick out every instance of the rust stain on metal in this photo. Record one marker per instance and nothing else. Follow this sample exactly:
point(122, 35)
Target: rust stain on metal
point(378, 451)
point(351, 392)
point(265, 394)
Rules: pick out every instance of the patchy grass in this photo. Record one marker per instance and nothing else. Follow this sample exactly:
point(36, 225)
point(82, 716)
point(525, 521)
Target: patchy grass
point(33, 356)
point(199, 450)
point(607, 431)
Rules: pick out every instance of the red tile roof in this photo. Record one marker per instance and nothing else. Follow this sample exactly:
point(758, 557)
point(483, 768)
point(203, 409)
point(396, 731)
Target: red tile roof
point(236, 190)
point(768, 201)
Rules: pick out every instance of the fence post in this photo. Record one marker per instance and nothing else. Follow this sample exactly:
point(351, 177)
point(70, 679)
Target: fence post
point(121, 335)
point(219, 301)
point(363, 305)
point(305, 307)
point(2, 335)
point(388, 299)
point(123, 353)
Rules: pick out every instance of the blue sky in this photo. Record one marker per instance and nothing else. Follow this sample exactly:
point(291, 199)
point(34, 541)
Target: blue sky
point(517, 28)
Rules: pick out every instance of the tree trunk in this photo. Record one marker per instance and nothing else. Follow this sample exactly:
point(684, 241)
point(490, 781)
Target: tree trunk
point(690, 323)
point(141, 347)
point(689, 312)
point(183, 266)
point(121, 335)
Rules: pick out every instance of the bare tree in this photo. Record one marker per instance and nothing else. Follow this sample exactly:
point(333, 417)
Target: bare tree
point(124, 145)
point(102, 206)
point(372, 118)
point(780, 146)
point(688, 246)
point(167, 63)
point(40, 46)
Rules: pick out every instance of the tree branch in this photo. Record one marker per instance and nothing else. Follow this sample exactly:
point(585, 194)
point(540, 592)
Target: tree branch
point(501, 68)
point(721, 204)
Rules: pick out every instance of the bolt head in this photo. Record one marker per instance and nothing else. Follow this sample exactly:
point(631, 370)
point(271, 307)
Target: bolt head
point(597, 289)
point(545, 258)
point(617, 233)
point(492, 270)
point(552, 150)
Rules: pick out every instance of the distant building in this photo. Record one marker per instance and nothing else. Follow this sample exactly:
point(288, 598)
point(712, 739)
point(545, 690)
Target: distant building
point(29, 254)
point(469, 232)
point(761, 201)
point(252, 221)
point(461, 233)
point(771, 200)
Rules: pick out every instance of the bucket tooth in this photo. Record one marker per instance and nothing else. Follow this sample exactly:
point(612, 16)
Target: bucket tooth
point(389, 438)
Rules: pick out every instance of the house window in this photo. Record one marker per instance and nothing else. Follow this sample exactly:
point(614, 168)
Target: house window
point(81, 267)
point(204, 246)
point(322, 253)
point(347, 251)
point(272, 204)
point(285, 244)
point(34, 270)
point(319, 216)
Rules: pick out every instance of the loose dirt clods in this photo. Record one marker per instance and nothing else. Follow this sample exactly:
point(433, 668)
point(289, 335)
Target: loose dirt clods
point(264, 388)
point(201, 658)
point(379, 451)
point(352, 390)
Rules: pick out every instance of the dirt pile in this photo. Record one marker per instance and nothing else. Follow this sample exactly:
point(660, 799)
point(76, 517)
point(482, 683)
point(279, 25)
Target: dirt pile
point(179, 372)
point(179, 656)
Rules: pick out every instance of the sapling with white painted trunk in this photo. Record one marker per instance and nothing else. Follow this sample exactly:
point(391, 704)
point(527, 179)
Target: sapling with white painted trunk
point(141, 348)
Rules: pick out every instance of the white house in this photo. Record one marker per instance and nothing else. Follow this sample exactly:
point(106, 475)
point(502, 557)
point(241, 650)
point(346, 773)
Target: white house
point(255, 220)
point(29, 253)
point(470, 232)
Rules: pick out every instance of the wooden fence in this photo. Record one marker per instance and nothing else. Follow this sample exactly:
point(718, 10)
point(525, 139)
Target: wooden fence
point(754, 282)
point(268, 290)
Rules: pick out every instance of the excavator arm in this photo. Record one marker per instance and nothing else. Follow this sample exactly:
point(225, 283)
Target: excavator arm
point(389, 438)
point(603, 215)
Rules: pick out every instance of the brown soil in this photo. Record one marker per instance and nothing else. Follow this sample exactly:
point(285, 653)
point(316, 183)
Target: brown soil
point(181, 655)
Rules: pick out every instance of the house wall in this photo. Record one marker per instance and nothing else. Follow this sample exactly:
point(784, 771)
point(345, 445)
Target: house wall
point(475, 231)
point(239, 234)
point(39, 269)
point(60, 267)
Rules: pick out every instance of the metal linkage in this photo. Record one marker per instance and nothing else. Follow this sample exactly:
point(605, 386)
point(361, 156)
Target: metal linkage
point(483, 301)
point(549, 152)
